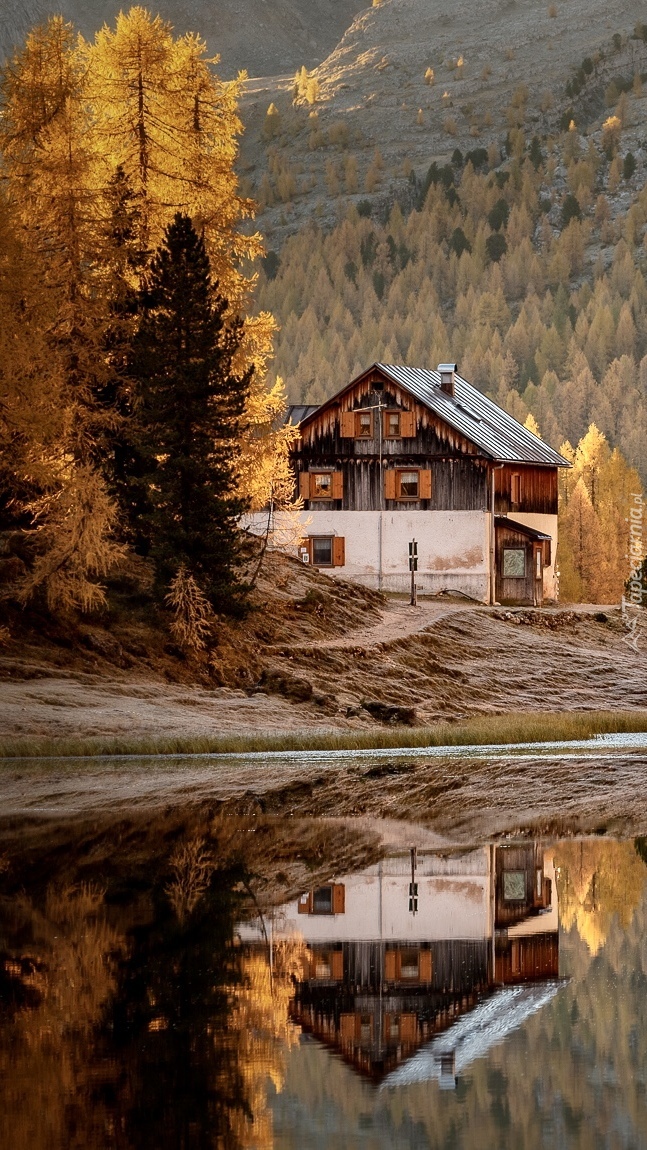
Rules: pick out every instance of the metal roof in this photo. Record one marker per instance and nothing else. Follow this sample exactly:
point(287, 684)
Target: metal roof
point(522, 528)
point(300, 411)
point(475, 1033)
point(475, 416)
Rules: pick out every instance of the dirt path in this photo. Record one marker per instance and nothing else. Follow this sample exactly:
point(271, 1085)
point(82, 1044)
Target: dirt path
point(397, 621)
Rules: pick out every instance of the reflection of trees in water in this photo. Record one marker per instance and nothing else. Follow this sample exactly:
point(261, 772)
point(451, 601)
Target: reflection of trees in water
point(260, 1017)
point(596, 881)
point(57, 982)
point(168, 1039)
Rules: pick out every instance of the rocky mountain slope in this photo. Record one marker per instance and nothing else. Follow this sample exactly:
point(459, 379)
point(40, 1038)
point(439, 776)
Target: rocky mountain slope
point(413, 80)
point(264, 37)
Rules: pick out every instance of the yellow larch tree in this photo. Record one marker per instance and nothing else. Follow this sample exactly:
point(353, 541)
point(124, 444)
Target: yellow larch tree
point(162, 115)
point(46, 161)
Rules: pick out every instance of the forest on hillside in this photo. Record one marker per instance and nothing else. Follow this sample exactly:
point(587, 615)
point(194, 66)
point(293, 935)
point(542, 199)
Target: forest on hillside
point(542, 303)
point(141, 411)
point(527, 265)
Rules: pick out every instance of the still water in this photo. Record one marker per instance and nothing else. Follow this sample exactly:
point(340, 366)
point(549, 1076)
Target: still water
point(483, 997)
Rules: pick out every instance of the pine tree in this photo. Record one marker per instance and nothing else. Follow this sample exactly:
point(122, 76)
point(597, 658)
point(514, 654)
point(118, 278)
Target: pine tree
point(191, 405)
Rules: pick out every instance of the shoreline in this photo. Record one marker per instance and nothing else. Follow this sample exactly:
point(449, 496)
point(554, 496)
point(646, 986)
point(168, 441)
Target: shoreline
point(500, 730)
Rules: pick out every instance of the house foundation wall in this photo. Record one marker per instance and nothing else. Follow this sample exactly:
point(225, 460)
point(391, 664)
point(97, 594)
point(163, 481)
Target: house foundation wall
point(453, 548)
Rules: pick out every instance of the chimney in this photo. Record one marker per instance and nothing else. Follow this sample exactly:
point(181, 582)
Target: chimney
point(447, 372)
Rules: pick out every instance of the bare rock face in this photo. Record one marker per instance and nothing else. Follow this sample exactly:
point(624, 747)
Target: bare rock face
point(264, 37)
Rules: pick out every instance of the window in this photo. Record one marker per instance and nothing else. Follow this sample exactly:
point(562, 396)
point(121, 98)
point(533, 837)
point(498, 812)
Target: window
point(322, 550)
point(322, 900)
point(321, 485)
point(408, 484)
point(514, 886)
point(514, 563)
point(515, 488)
point(409, 964)
point(356, 424)
point(538, 564)
point(363, 424)
point(392, 425)
point(329, 899)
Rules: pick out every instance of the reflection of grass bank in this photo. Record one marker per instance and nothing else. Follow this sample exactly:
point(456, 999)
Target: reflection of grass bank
point(483, 730)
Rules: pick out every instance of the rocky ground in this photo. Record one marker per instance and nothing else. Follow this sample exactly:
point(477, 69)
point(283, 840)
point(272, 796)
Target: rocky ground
point(314, 653)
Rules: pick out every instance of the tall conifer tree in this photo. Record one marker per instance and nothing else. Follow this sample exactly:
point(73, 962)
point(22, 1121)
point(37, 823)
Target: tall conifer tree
point(191, 406)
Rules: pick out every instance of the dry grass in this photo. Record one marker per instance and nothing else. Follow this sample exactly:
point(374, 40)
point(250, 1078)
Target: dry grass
point(535, 727)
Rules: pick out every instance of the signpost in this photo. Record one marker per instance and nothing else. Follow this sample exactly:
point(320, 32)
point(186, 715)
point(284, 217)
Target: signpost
point(413, 567)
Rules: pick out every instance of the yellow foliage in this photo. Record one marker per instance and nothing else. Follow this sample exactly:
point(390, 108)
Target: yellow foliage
point(259, 1016)
point(597, 882)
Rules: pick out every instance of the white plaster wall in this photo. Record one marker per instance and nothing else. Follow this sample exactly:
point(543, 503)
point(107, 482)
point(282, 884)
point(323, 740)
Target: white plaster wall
point(547, 524)
point(452, 547)
point(377, 907)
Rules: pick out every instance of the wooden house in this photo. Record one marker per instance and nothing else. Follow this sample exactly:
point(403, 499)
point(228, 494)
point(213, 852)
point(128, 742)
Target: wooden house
point(399, 955)
point(402, 454)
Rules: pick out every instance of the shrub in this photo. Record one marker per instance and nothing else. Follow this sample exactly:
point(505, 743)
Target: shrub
point(364, 208)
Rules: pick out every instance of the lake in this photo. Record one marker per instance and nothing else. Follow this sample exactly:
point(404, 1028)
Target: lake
point(286, 991)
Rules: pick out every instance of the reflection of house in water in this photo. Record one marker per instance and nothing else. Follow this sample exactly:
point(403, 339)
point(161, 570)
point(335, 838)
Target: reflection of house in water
point(396, 957)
